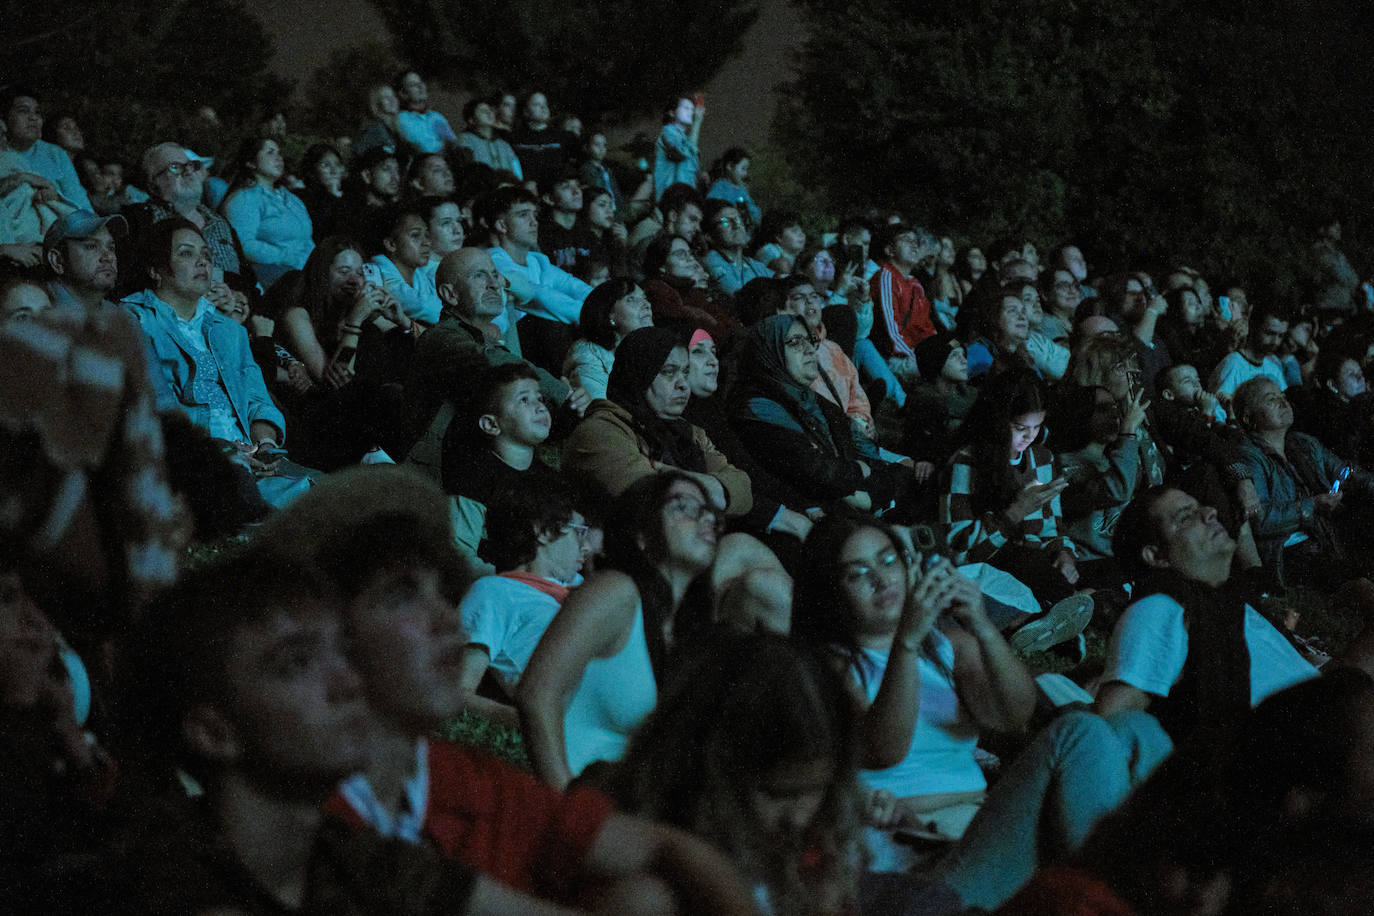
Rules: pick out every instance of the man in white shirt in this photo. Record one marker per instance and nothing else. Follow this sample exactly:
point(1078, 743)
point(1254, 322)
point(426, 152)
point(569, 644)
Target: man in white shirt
point(511, 214)
point(1259, 356)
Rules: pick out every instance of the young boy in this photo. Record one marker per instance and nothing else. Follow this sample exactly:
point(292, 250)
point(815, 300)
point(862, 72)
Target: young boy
point(490, 450)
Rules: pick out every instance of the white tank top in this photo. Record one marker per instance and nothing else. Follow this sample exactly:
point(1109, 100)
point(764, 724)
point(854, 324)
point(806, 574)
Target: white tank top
point(615, 695)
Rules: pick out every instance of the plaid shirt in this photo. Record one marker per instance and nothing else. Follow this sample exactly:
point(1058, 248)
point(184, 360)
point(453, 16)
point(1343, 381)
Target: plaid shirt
point(977, 538)
point(225, 251)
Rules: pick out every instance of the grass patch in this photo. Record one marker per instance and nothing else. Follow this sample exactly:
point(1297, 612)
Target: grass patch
point(475, 731)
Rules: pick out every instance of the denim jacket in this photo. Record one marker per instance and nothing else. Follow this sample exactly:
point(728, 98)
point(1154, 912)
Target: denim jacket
point(173, 368)
point(1286, 485)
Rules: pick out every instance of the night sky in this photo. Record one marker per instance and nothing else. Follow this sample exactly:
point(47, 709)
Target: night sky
point(740, 99)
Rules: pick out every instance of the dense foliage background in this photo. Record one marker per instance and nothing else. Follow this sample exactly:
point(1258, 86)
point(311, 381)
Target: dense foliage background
point(136, 71)
point(608, 60)
point(1217, 133)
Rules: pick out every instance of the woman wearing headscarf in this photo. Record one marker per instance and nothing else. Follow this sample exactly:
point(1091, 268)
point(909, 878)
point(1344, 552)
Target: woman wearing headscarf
point(638, 429)
point(806, 440)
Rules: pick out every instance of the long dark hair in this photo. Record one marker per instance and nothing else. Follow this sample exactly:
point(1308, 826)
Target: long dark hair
point(738, 708)
point(821, 613)
point(311, 290)
point(594, 324)
point(636, 545)
point(987, 434)
point(244, 174)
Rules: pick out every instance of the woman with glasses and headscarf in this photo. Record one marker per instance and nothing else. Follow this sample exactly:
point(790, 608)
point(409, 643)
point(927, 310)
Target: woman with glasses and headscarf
point(808, 442)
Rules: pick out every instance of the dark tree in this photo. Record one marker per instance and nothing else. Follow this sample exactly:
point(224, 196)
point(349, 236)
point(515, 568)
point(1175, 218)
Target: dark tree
point(335, 95)
point(1217, 133)
point(136, 71)
point(605, 61)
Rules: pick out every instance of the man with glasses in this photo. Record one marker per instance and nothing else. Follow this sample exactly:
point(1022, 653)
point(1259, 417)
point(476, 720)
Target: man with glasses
point(730, 268)
point(539, 542)
point(176, 186)
point(902, 313)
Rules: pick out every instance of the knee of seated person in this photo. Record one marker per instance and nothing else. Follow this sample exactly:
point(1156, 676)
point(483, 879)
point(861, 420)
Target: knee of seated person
point(758, 599)
point(740, 553)
point(640, 895)
point(1079, 729)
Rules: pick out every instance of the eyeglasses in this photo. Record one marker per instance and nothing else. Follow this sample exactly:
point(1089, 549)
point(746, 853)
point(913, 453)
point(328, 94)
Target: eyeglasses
point(801, 343)
point(1066, 286)
point(731, 222)
point(858, 574)
point(693, 509)
point(190, 167)
point(580, 530)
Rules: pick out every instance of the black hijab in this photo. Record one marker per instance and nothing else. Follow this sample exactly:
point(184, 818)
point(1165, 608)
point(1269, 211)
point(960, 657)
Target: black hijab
point(638, 360)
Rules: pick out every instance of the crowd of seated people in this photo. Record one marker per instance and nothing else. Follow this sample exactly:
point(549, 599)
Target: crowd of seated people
point(752, 525)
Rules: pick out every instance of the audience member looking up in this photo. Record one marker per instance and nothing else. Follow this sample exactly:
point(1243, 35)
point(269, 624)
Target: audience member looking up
point(1257, 357)
point(271, 222)
point(202, 364)
point(730, 268)
point(489, 453)
point(422, 128)
point(482, 140)
point(30, 154)
point(676, 160)
point(903, 315)
point(541, 148)
point(538, 541)
point(176, 187)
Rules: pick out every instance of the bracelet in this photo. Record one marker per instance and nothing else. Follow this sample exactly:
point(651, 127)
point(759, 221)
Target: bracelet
point(351, 329)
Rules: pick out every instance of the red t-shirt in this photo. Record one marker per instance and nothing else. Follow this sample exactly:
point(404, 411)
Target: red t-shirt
point(901, 313)
point(502, 821)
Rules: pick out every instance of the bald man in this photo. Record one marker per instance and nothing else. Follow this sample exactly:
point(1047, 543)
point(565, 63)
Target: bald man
point(464, 342)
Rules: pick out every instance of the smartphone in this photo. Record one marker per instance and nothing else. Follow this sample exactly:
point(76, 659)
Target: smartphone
point(699, 100)
point(372, 274)
point(855, 254)
point(216, 274)
point(1224, 306)
point(1340, 479)
point(270, 451)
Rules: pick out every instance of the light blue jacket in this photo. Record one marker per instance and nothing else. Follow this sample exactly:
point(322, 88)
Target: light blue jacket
point(172, 367)
point(274, 228)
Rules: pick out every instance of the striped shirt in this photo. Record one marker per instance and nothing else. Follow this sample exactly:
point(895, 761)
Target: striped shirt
point(902, 313)
point(974, 538)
